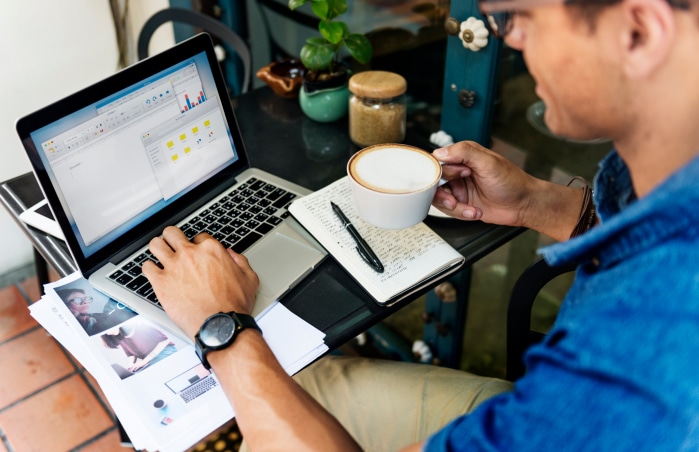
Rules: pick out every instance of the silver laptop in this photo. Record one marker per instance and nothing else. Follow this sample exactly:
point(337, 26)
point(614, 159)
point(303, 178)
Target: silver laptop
point(158, 144)
point(191, 384)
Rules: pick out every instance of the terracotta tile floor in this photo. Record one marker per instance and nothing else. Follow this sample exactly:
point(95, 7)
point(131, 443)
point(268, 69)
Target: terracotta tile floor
point(47, 401)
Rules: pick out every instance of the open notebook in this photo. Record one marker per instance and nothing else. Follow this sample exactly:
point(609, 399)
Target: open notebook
point(412, 258)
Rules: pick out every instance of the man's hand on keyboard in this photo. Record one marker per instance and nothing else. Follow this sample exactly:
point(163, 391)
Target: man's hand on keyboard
point(199, 278)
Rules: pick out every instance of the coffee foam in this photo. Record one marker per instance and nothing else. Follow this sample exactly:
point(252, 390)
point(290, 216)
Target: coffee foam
point(394, 169)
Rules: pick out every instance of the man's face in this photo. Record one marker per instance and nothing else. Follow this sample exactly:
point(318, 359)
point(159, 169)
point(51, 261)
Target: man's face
point(572, 68)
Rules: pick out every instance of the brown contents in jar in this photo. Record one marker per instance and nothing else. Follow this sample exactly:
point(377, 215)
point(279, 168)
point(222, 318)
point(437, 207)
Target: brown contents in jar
point(377, 108)
point(374, 121)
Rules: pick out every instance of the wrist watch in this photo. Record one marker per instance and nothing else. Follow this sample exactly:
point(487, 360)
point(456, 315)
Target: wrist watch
point(219, 331)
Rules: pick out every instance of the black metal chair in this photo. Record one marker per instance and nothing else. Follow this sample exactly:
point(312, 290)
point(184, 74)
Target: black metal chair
point(272, 11)
point(206, 23)
point(520, 336)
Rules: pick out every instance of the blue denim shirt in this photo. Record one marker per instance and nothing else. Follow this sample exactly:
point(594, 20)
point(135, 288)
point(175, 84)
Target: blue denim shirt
point(619, 370)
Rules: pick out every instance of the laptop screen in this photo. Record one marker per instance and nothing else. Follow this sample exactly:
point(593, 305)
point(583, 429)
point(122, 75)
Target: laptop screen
point(129, 153)
point(187, 379)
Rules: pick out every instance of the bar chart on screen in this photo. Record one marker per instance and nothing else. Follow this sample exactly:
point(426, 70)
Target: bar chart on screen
point(191, 103)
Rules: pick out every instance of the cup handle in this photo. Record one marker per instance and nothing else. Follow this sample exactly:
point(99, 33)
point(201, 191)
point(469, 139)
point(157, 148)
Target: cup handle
point(442, 180)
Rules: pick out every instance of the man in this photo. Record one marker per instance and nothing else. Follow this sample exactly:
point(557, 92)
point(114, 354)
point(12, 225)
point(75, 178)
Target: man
point(618, 369)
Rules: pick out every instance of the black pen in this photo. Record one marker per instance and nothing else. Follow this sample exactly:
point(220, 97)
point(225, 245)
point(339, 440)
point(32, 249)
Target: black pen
point(363, 247)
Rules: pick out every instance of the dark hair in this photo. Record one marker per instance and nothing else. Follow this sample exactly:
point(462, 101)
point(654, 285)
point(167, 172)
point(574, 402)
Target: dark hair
point(678, 4)
point(113, 340)
point(589, 10)
point(65, 293)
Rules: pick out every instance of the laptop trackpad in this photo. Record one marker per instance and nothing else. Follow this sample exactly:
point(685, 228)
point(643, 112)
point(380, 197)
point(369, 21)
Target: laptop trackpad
point(279, 262)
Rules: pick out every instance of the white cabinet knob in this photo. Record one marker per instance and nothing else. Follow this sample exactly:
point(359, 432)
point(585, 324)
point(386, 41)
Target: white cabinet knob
point(473, 35)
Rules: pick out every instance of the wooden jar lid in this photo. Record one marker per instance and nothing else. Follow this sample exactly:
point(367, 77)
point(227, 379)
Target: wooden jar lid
point(377, 84)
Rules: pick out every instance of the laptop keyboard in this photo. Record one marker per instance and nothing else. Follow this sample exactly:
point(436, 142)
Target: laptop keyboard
point(198, 389)
point(237, 220)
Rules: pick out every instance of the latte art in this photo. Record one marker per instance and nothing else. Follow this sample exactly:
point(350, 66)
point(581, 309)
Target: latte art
point(395, 169)
point(393, 184)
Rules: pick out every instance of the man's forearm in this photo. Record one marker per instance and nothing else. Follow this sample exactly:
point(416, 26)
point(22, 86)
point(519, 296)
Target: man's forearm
point(554, 210)
point(272, 411)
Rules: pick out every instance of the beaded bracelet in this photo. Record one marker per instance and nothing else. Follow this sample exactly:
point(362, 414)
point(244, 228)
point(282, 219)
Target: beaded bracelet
point(588, 214)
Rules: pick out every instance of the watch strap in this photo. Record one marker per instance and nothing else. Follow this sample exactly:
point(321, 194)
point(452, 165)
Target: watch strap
point(245, 321)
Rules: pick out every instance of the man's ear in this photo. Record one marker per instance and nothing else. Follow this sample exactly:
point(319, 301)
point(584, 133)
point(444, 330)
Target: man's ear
point(648, 30)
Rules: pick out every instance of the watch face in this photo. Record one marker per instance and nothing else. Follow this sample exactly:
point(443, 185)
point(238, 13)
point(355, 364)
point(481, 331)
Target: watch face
point(217, 331)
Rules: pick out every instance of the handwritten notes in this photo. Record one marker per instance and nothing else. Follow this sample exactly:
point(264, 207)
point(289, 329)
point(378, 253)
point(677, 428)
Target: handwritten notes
point(412, 257)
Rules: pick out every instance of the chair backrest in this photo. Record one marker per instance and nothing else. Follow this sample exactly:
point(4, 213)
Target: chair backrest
point(269, 8)
point(205, 23)
point(520, 336)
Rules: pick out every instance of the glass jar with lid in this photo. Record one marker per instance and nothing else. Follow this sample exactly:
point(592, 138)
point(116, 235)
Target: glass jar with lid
point(377, 108)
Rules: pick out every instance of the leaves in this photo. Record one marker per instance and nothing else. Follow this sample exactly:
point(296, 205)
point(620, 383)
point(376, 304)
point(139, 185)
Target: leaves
point(293, 4)
point(334, 32)
point(335, 8)
point(320, 9)
point(321, 53)
point(359, 47)
point(317, 54)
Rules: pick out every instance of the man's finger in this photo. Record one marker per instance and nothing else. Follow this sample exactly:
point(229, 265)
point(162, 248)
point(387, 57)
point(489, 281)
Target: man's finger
point(160, 248)
point(201, 237)
point(150, 268)
point(239, 259)
point(174, 237)
point(243, 264)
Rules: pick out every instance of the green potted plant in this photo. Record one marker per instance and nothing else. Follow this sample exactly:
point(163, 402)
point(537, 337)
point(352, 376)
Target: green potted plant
point(325, 91)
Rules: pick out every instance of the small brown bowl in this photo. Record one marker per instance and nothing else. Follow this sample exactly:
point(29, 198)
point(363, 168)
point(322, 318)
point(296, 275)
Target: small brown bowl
point(284, 77)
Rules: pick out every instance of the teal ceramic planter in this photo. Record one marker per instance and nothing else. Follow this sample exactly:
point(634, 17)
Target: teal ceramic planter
point(325, 105)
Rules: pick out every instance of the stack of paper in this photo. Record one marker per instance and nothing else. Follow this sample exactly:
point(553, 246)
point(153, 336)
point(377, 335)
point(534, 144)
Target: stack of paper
point(163, 396)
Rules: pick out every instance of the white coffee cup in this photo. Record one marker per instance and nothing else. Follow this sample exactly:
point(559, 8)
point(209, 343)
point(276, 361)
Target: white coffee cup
point(393, 184)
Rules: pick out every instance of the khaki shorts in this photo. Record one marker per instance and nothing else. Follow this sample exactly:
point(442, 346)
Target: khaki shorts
point(387, 405)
